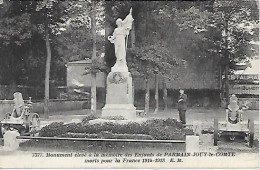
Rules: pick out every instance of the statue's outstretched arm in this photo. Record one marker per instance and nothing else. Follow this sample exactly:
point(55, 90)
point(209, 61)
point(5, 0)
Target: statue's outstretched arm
point(111, 38)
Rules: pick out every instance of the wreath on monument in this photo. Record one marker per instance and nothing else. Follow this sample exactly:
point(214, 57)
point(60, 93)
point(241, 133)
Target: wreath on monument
point(117, 78)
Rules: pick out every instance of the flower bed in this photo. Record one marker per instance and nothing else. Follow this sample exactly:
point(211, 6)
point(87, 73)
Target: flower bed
point(156, 129)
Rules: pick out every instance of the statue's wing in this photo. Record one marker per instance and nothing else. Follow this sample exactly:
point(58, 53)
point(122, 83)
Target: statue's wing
point(128, 21)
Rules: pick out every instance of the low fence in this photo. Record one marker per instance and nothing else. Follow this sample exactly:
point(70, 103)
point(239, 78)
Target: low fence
point(61, 105)
point(54, 106)
point(208, 98)
point(205, 98)
point(7, 91)
point(37, 92)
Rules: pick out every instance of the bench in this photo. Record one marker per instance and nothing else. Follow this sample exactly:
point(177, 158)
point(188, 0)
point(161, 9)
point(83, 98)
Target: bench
point(140, 113)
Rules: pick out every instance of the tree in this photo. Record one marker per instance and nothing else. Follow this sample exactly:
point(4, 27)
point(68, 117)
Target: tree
point(151, 58)
point(16, 31)
point(56, 16)
point(165, 101)
point(237, 24)
point(228, 31)
point(93, 73)
point(23, 64)
point(96, 17)
point(224, 31)
point(47, 8)
point(60, 16)
point(69, 35)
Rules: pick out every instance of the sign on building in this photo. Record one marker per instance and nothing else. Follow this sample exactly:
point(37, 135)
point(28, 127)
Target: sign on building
point(243, 77)
point(244, 89)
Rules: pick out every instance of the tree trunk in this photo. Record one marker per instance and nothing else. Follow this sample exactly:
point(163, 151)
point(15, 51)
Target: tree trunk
point(226, 64)
point(93, 72)
point(146, 18)
point(132, 35)
point(226, 86)
point(133, 92)
point(156, 96)
point(165, 95)
point(93, 93)
point(221, 95)
point(147, 96)
point(12, 73)
point(47, 71)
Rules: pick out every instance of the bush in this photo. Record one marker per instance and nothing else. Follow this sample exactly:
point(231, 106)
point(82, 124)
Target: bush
point(54, 129)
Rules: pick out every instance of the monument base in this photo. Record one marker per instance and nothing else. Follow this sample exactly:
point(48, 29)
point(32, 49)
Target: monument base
point(127, 111)
point(119, 96)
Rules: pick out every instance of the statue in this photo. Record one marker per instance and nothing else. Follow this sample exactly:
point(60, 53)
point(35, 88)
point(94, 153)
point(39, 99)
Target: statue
point(119, 39)
point(119, 93)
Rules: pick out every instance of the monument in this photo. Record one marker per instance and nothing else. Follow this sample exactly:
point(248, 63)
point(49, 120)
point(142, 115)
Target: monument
point(119, 99)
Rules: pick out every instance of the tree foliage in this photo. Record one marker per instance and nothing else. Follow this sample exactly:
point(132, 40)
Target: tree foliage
point(151, 58)
point(22, 42)
point(168, 34)
point(232, 22)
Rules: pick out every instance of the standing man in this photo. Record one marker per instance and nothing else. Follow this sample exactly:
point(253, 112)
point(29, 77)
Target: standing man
point(182, 106)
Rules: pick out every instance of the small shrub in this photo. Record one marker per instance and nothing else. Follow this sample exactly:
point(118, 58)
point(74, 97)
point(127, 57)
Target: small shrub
point(54, 129)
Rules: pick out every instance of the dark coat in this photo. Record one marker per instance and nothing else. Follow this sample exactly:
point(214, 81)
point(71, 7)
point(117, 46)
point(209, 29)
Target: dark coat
point(182, 105)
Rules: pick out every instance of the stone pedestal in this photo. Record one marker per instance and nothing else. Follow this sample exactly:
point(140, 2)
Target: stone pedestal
point(10, 141)
point(192, 143)
point(119, 99)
